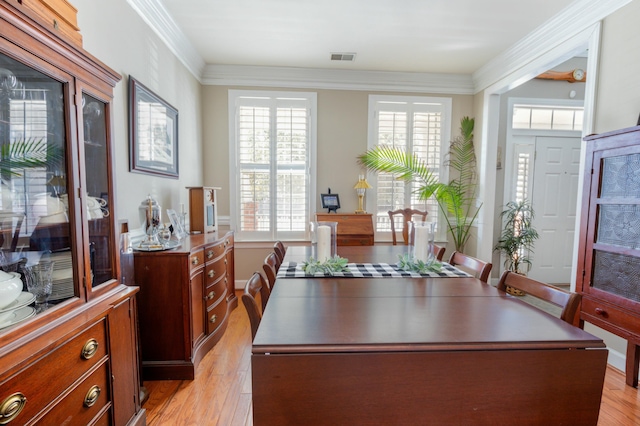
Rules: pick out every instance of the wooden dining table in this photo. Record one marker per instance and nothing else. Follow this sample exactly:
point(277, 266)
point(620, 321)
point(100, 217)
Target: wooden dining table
point(413, 351)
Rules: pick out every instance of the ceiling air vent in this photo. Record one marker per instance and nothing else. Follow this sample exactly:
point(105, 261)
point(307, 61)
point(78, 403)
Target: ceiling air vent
point(343, 57)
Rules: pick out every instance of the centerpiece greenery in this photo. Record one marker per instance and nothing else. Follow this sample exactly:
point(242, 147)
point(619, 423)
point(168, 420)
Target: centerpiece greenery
point(331, 265)
point(456, 199)
point(406, 263)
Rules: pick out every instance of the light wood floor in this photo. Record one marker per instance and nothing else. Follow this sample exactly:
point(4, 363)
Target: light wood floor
point(221, 391)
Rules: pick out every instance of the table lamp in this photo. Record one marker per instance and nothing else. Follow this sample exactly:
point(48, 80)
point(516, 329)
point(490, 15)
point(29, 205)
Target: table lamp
point(360, 188)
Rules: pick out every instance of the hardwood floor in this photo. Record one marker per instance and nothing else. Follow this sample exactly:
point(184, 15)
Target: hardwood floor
point(221, 392)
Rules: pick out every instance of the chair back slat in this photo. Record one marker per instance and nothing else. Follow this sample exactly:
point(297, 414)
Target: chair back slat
point(568, 301)
point(270, 269)
point(481, 268)
point(256, 285)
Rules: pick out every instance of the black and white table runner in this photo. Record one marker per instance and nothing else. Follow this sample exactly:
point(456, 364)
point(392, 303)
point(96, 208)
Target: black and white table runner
point(369, 270)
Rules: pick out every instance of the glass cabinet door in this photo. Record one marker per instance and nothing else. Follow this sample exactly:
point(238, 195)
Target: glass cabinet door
point(35, 226)
point(99, 214)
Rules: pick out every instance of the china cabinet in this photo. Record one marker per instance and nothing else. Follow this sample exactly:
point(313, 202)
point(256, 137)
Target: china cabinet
point(609, 251)
point(186, 296)
point(73, 360)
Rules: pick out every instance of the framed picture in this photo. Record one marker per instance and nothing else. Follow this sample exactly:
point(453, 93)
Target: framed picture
point(331, 202)
point(178, 230)
point(153, 133)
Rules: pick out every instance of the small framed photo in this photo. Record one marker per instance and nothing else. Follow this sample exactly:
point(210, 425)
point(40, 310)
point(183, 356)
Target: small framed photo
point(331, 202)
point(178, 230)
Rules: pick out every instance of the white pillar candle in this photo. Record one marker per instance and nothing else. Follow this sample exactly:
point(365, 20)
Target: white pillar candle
point(324, 243)
point(421, 243)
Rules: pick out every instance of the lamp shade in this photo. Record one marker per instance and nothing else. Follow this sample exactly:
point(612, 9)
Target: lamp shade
point(362, 184)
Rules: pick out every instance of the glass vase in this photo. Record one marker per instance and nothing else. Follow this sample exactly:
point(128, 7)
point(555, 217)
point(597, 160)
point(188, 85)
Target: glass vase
point(324, 240)
point(421, 239)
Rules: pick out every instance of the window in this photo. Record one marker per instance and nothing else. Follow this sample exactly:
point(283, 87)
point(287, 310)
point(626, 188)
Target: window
point(420, 125)
point(541, 117)
point(272, 153)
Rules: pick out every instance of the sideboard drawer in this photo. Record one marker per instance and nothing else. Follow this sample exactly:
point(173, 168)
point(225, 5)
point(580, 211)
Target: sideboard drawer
point(610, 316)
point(85, 402)
point(214, 271)
point(214, 292)
point(216, 314)
point(214, 251)
point(49, 376)
point(196, 260)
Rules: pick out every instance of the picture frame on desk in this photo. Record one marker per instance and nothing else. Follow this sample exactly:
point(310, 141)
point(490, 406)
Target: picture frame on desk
point(178, 230)
point(331, 202)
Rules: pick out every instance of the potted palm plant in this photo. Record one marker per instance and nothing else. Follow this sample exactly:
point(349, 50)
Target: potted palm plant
point(518, 236)
point(455, 199)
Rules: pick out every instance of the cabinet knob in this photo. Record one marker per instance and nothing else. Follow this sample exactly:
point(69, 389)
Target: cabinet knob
point(601, 312)
point(213, 319)
point(211, 295)
point(194, 260)
point(92, 396)
point(225, 261)
point(11, 407)
point(210, 254)
point(89, 349)
point(211, 273)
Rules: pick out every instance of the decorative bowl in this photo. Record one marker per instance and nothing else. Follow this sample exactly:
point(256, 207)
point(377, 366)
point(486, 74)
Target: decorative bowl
point(10, 287)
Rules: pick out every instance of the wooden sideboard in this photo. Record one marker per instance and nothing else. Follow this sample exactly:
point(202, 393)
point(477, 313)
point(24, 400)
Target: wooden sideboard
point(353, 229)
point(609, 251)
point(186, 296)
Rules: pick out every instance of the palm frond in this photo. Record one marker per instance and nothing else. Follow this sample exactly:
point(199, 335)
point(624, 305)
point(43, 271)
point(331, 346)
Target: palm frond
point(25, 154)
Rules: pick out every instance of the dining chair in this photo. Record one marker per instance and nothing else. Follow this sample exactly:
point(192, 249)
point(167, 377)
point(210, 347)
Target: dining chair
point(568, 301)
point(10, 225)
point(256, 285)
point(270, 268)
point(407, 216)
point(438, 252)
point(480, 268)
point(279, 249)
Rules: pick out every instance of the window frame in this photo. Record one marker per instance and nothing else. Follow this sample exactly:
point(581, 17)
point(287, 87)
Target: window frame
point(268, 97)
point(403, 102)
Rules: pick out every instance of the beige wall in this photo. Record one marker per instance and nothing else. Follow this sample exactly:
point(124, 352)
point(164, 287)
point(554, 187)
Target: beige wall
point(117, 36)
point(342, 136)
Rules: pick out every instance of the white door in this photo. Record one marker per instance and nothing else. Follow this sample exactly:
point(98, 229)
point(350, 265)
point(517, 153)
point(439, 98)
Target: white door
point(554, 197)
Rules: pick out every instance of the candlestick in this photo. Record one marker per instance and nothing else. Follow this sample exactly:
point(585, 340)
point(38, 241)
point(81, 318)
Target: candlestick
point(181, 208)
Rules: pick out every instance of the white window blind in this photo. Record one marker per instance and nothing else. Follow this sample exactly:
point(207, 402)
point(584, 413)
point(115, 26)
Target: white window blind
point(418, 125)
point(272, 146)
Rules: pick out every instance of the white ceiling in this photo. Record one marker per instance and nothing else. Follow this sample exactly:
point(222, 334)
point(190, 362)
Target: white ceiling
point(433, 36)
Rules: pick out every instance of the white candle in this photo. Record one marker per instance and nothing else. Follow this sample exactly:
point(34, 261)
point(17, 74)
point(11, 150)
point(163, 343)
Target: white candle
point(324, 243)
point(421, 243)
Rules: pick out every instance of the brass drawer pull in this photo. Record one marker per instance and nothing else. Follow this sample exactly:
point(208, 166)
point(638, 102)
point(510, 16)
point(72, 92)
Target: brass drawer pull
point(89, 349)
point(211, 273)
point(213, 319)
point(194, 260)
point(211, 295)
point(209, 254)
point(11, 407)
point(601, 312)
point(225, 261)
point(92, 396)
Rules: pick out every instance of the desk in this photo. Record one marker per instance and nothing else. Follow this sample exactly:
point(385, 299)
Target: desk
point(418, 351)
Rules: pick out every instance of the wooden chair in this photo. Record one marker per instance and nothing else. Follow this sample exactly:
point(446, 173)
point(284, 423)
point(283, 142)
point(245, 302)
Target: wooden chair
point(438, 252)
point(10, 225)
point(254, 286)
point(279, 249)
point(482, 269)
point(569, 302)
point(407, 216)
point(270, 269)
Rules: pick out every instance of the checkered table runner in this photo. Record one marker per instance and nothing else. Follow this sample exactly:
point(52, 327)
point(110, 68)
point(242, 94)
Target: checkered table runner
point(369, 270)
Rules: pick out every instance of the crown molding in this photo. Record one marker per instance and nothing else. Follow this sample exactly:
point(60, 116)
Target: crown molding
point(161, 22)
point(561, 28)
point(314, 78)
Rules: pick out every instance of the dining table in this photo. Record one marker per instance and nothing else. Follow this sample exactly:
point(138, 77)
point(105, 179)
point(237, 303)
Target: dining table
point(379, 346)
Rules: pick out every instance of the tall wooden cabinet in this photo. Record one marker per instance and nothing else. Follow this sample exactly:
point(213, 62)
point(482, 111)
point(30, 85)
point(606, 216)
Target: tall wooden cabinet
point(74, 360)
point(186, 297)
point(609, 251)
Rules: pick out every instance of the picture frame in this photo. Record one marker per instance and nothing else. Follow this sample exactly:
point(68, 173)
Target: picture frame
point(331, 202)
point(153, 133)
point(178, 230)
